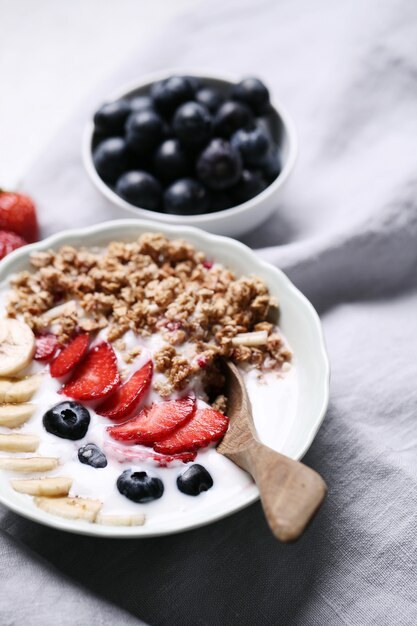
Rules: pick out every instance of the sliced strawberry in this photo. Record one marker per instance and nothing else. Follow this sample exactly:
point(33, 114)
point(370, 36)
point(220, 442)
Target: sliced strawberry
point(69, 356)
point(156, 421)
point(138, 454)
point(206, 426)
point(45, 346)
point(96, 376)
point(127, 397)
point(163, 460)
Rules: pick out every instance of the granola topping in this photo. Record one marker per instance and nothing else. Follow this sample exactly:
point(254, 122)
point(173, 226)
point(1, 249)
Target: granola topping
point(154, 285)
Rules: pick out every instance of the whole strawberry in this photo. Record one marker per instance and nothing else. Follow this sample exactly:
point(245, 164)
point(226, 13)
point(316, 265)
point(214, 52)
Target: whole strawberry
point(18, 214)
point(9, 241)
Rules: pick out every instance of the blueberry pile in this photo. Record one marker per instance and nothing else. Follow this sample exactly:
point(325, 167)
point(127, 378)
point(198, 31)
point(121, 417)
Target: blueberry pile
point(187, 148)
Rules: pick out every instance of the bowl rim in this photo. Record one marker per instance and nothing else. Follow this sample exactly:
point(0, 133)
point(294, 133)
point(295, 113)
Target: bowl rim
point(203, 218)
point(114, 229)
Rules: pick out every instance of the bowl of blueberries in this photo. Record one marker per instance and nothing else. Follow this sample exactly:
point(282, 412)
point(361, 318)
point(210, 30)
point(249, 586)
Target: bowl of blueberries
point(192, 149)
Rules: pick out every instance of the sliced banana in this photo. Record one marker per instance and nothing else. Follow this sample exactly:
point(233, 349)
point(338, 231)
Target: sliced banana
point(49, 487)
point(14, 415)
point(19, 443)
point(70, 508)
point(17, 346)
point(58, 311)
point(28, 464)
point(121, 520)
point(18, 390)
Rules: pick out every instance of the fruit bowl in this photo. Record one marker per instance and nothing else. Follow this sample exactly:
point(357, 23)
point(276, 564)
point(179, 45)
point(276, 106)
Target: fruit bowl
point(233, 221)
point(291, 422)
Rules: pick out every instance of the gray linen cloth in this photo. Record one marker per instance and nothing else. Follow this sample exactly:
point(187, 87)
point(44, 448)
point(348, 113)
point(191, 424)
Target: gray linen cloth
point(346, 234)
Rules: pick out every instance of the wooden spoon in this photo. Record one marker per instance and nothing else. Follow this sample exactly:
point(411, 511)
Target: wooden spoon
point(291, 493)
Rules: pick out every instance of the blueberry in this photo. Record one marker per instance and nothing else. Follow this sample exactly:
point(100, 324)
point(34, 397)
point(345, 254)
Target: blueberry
point(249, 186)
point(230, 117)
point(144, 130)
point(167, 132)
point(141, 189)
point(170, 161)
point(194, 480)
point(221, 200)
point(210, 98)
point(252, 144)
point(194, 82)
point(272, 165)
point(140, 103)
point(186, 197)
point(90, 454)
point(139, 487)
point(111, 117)
point(192, 124)
point(111, 159)
point(252, 91)
point(219, 165)
point(167, 95)
point(68, 420)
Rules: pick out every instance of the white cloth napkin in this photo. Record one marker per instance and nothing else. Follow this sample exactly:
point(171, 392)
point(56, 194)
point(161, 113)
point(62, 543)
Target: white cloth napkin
point(346, 234)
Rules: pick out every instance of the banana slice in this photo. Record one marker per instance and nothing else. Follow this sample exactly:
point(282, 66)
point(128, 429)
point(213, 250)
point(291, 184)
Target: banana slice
point(70, 508)
point(58, 311)
point(18, 390)
point(13, 415)
point(19, 443)
point(28, 464)
point(17, 346)
point(121, 520)
point(50, 487)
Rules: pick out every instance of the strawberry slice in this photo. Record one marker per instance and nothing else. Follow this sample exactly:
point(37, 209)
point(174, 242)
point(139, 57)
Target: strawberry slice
point(156, 421)
point(45, 346)
point(138, 454)
point(96, 376)
point(125, 399)
point(206, 426)
point(164, 460)
point(69, 356)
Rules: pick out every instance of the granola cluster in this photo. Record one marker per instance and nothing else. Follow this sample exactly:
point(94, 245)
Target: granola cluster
point(153, 285)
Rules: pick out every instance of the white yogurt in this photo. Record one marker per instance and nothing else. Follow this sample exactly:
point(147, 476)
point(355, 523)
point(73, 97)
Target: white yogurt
point(273, 399)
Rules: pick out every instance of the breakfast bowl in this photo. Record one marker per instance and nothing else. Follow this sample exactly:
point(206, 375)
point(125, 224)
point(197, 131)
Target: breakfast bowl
point(238, 216)
point(287, 416)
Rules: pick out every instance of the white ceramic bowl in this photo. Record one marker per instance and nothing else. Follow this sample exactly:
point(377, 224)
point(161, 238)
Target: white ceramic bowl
point(233, 221)
point(299, 322)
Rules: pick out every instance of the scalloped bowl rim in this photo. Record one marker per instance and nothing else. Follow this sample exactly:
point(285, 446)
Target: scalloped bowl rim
point(125, 229)
point(193, 220)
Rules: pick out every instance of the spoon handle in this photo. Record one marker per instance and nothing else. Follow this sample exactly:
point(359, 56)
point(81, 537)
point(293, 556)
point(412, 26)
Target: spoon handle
point(291, 493)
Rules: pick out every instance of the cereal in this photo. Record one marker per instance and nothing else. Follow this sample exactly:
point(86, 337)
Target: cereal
point(154, 285)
